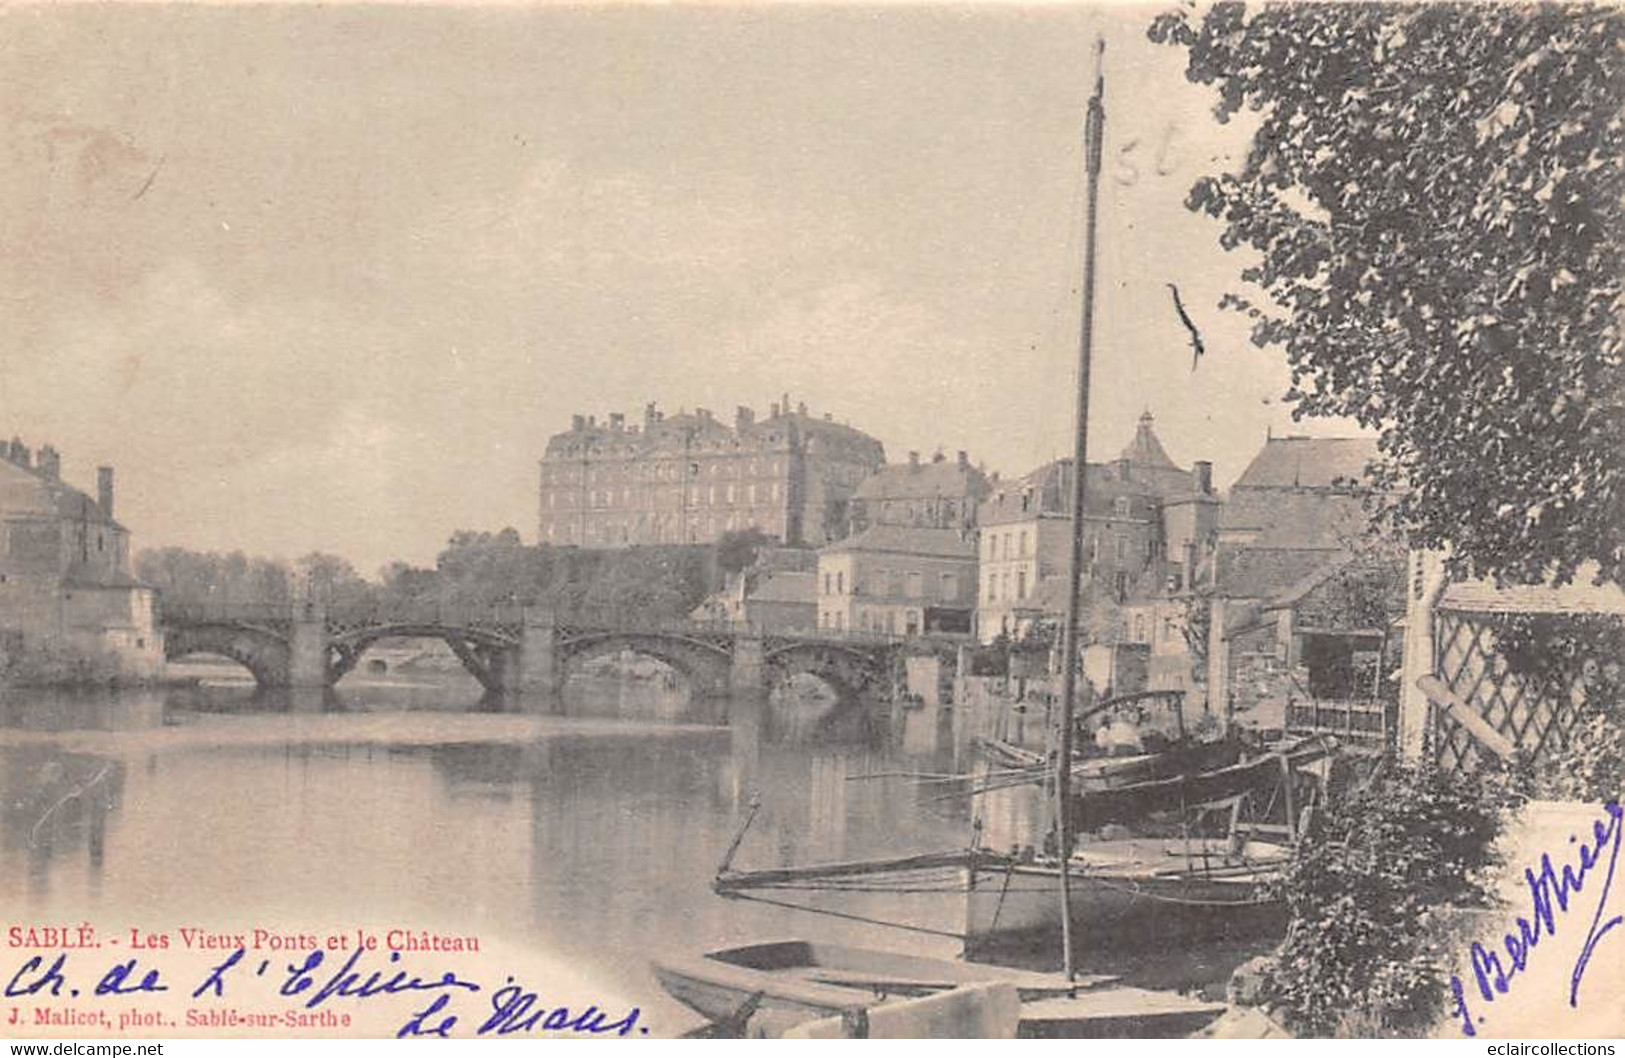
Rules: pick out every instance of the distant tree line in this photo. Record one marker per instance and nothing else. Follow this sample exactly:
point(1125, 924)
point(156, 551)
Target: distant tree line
point(475, 570)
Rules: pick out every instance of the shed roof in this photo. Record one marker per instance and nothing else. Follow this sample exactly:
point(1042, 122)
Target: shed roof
point(1581, 596)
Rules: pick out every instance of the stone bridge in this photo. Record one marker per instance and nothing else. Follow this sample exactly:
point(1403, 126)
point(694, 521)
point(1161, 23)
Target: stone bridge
point(530, 651)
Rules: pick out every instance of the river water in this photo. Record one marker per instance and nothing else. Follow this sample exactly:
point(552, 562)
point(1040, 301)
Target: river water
point(582, 837)
point(586, 835)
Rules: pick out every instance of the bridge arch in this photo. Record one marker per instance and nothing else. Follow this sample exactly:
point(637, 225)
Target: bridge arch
point(264, 652)
point(706, 664)
point(484, 652)
point(852, 673)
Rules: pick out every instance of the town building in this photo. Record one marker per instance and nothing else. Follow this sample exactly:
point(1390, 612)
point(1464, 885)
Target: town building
point(898, 580)
point(1304, 590)
point(939, 494)
point(689, 478)
point(69, 608)
point(1145, 521)
point(777, 592)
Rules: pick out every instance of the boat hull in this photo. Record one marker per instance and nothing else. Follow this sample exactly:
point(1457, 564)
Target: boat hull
point(1117, 899)
point(765, 990)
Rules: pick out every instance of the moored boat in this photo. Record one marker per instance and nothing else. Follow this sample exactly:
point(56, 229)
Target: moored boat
point(1149, 892)
point(777, 986)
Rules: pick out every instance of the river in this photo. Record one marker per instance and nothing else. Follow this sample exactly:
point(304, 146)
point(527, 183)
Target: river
point(588, 834)
point(584, 835)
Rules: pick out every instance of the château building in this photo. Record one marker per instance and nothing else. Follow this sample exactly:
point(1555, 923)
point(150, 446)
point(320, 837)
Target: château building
point(689, 478)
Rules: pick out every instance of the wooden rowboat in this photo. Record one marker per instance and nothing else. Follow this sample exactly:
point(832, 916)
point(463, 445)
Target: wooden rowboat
point(776, 986)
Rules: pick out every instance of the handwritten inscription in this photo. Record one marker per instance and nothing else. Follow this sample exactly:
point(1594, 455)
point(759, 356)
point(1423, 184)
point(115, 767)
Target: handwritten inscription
point(1552, 890)
point(316, 981)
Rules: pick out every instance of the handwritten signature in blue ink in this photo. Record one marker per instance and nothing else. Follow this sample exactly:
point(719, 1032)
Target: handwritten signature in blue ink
point(513, 1008)
point(1550, 892)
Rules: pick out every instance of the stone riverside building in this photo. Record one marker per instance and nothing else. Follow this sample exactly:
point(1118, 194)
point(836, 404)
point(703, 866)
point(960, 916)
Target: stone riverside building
point(689, 478)
point(1144, 514)
point(899, 580)
point(938, 494)
point(69, 608)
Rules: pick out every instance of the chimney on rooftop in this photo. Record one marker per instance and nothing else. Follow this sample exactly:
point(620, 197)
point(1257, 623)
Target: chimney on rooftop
point(578, 423)
point(937, 456)
point(617, 421)
point(914, 460)
point(1189, 572)
point(50, 463)
point(829, 416)
point(650, 415)
point(773, 410)
point(1125, 469)
point(104, 490)
point(962, 459)
point(744, 418)
point(1204, 477)
point(801, 407)
point(19, 453)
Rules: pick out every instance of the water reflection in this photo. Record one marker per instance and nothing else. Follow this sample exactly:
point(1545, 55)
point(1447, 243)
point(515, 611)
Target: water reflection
point(588, 829)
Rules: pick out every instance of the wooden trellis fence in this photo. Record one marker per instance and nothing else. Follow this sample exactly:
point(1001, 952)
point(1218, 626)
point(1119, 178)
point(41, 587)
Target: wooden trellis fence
point(1463, 701)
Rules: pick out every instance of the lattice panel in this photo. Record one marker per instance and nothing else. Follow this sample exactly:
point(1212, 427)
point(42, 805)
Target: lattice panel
point(1533, 718)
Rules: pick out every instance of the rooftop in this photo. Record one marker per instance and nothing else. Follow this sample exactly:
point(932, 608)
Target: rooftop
point(1317, 520)
point(1308, 463)
point(784, 586)
point(908, 540)
point(1046, 493)
point(1146, 450)
point(34, 489)
point(1580, 596)
point(915, 480)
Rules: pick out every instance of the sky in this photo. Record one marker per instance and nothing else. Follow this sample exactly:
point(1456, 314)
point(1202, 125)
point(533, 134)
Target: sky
point(328, 277)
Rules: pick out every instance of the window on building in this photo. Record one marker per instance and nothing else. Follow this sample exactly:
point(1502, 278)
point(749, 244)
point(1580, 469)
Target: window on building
point(1025, 551)
point(1121, 586)
point(911, 623)
point(1122, 547)
point(1021, 584)
point(950, 586)
point(992, 587)
point(1121, 506)
point(993, 546)
point(730, 493)
point(840, 622)
point(828, 580)
point(840, 582)
point(914, 585)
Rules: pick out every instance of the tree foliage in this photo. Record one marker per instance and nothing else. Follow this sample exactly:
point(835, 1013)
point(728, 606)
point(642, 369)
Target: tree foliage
point(1361, 891)
point(1433, 201)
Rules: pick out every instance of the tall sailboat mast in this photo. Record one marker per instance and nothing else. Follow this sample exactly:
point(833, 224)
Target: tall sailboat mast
point(1094, 133)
